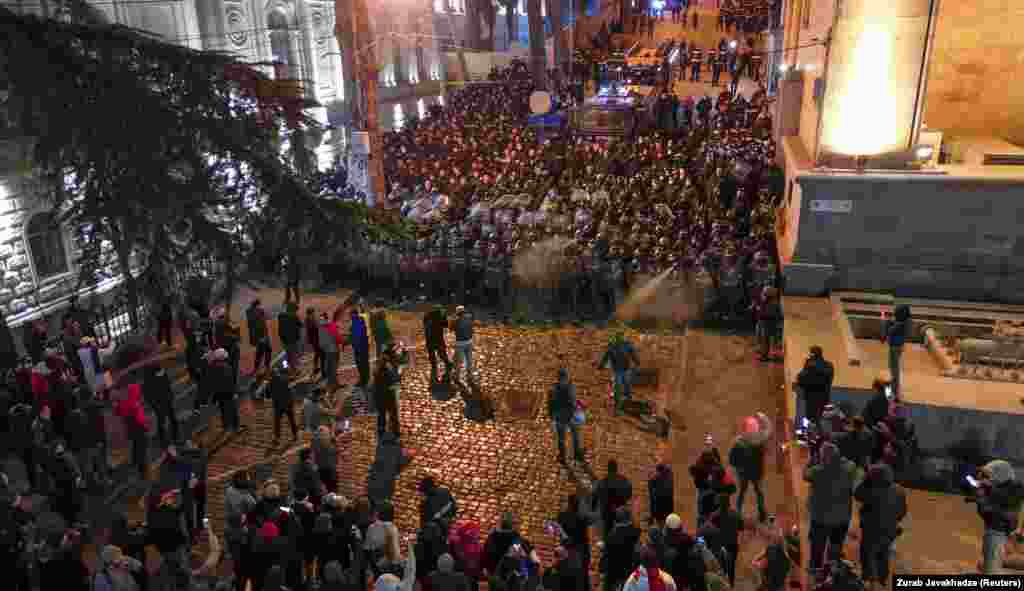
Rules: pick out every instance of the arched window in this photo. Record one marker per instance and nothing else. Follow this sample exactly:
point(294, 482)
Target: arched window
point(45, 240)
point(281, 46)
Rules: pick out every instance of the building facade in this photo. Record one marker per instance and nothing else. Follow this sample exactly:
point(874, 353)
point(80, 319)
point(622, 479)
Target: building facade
point(946, 228)
point(39, 259)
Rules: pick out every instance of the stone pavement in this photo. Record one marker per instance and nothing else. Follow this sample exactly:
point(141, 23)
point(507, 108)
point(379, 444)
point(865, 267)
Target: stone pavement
point(510, 463)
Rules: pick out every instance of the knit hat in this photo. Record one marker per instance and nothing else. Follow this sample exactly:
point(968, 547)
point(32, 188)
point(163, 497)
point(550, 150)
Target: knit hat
point(445, 563)
point(673, 522)
point(269, 531)
point(1000, 470)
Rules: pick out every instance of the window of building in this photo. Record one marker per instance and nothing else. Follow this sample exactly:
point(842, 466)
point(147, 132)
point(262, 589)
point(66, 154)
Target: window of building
point(45, 240)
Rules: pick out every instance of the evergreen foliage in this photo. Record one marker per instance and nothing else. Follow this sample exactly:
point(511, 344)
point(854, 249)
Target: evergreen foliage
point(162, 151)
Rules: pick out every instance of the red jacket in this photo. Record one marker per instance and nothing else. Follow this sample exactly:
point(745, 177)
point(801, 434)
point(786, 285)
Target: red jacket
point(130, 408)
point(40, 388)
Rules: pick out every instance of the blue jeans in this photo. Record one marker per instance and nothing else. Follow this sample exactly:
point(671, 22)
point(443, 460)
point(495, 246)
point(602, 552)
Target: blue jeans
point(623, 385)
point(992, 544)
point(464, 357)
point(758, 494)
point(895, 354)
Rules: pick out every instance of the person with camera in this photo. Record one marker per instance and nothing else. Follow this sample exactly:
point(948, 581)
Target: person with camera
point(883, 506)
point(999, 497)
point(814, 383)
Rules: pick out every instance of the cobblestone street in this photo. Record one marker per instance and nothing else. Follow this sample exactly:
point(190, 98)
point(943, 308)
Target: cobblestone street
point(511, 463)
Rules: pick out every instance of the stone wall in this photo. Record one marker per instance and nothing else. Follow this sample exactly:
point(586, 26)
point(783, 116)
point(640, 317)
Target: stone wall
point(22, 297)
point(957, 238)
point(977, 64)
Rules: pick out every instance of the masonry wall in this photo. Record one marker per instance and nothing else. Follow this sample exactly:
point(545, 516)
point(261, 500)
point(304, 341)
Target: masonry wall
point(953, 238)
point(23, 298)
point(974, 85)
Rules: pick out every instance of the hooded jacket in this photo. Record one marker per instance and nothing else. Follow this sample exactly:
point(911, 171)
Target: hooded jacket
point(832, 485)
point(883, 502)
point(1000, 505)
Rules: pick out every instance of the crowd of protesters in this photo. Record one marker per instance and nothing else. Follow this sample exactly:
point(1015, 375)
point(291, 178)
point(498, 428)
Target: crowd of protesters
point(696, 196)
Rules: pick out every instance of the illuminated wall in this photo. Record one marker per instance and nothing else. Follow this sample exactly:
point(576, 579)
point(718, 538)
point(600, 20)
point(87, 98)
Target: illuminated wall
point(874, 77)
point(974, 82)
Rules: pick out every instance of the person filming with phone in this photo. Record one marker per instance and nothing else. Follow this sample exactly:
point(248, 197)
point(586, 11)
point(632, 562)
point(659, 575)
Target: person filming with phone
point(814, 384)
point(999, 497)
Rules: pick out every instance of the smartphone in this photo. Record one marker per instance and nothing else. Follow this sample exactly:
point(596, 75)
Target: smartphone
point(206, 522)
point(888, 392)
point(286, 509)
point(700, 540)
point(972, 481)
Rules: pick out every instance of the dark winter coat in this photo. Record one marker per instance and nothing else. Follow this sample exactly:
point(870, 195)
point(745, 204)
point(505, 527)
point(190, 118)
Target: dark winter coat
point(831, 496)
point(79, 432)
point(611, 494)
point(683, 562)
point(883, 502)
point(815, 379)
point(620, 549)
point(497, 545)
point(747, 458)
point(562, 402)
point(566, 575)
point(876, 409)
point(898, 330)
point(289, 328)
point(158, 393)
point(280, 392)
point(999, 506)
point(701, 470)
point(451, 581)
point(256, 319)
point(660, 492)
point(857, 446)
point(434, 325)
